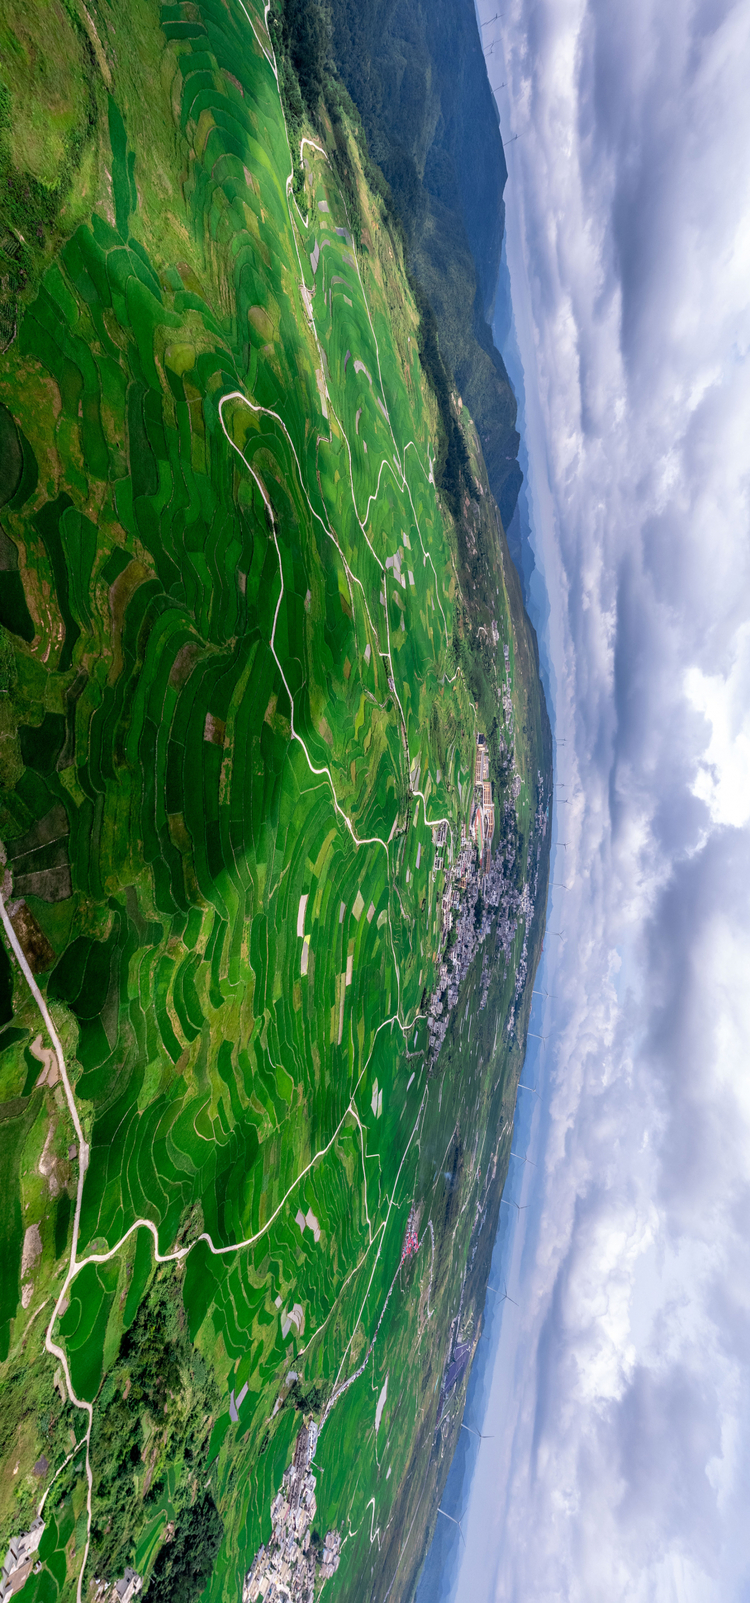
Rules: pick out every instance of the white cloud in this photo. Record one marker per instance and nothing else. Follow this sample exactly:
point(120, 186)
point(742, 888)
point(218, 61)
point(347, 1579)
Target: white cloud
point(623, 1465)
point(723, 779)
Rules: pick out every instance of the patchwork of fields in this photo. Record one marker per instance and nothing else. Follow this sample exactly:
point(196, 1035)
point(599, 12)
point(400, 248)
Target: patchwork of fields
point(244, 658)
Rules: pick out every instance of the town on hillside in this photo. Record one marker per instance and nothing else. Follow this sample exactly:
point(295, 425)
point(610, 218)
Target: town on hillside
point(287, 1569)
point(476, 887)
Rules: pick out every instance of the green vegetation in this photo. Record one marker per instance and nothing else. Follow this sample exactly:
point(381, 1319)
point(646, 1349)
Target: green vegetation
point(303, 31)
point(417, 76)
point(48, 116)
point(309, 83)
point(149, 1446)
point(247, 646)
point(36, 1427)
point(184, 1566)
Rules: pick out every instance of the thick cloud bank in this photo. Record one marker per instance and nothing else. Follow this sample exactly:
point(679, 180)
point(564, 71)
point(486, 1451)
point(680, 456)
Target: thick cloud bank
point(625, 1465)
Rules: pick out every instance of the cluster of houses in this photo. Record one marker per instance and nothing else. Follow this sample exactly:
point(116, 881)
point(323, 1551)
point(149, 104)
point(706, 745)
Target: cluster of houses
point(458, 1353)
point(507, 695)
point(121, 1591)
point(287, 1569)
point(482, 826)
point(459, 1359)
point(471, 874)
point(457, 875)
point(411, 1238)
point(439, 834)
point(528, 897)
point(20, 1559)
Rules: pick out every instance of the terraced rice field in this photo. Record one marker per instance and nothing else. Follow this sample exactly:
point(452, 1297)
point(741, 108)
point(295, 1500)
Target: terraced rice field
point(233, 717)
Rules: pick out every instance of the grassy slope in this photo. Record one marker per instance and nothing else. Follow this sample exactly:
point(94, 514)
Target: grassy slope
point(161, 825)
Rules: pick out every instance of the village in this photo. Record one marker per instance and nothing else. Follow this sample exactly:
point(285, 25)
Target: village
point(287, 1569)
point(21, 1559)
point(471, 875)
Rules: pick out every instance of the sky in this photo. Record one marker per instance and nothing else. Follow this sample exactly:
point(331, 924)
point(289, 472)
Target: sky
point(617, 1394)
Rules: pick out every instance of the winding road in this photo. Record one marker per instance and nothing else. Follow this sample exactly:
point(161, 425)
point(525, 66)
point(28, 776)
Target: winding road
point(396, 468)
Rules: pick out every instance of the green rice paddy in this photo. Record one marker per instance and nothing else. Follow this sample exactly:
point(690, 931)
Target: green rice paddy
point(235, 699)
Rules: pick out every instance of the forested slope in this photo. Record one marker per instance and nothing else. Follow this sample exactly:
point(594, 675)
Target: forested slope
point(416, 72)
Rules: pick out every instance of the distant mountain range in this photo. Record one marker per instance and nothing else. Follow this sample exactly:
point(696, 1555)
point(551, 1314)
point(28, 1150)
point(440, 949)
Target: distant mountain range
point(417, 75)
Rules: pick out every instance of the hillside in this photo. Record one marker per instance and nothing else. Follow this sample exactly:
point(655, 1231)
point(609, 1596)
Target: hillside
point(263, 1001)
point(418, 76)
